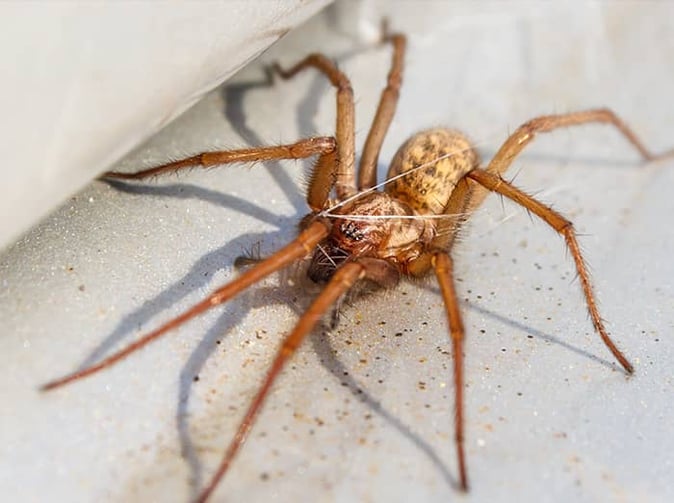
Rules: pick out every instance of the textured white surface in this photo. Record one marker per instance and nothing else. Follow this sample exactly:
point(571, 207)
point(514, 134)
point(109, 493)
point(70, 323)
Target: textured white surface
point(365, 413)
point(86, 82)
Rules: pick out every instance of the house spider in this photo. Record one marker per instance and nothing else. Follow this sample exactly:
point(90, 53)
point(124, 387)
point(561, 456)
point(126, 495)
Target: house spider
point(363, 235)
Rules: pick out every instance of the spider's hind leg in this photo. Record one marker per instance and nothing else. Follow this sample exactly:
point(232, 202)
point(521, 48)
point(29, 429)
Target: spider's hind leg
point(547, 123)
point(444, 270)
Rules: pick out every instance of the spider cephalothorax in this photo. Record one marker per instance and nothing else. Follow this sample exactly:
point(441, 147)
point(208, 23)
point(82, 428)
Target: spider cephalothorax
point(374, 225)
point(398, 224)
point(406, 229)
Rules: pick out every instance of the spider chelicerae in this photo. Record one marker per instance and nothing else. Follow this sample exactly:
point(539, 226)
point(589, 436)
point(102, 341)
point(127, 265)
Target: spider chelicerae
point(356, 233)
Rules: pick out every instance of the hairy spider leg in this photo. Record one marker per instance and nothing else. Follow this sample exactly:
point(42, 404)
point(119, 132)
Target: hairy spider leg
point(345, 129)
point(525, 134)
point(367, 170)
point(325, 147)
point(296, 249)
point(564, 227)
point(444, 270)
point(344, 278)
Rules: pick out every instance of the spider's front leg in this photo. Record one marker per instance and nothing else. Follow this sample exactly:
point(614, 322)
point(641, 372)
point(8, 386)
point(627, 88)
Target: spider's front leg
point(295, 250)
point(340, 283)
point(322, 146)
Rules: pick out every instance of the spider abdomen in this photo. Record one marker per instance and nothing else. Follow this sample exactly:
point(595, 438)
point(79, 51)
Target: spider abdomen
point(436, 160)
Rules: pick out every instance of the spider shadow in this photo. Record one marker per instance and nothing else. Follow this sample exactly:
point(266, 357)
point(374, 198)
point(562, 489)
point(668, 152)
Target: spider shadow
point(196, 279)
point(519, 327)
point(199, 275)
point(326, 353)
point(225, 323)
point(233, 96)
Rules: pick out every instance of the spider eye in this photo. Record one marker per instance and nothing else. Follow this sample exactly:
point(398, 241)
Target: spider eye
point(352, 231)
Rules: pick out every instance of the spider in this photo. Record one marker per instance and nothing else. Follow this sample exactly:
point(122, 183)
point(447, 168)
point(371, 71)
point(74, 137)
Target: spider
point(357, 234)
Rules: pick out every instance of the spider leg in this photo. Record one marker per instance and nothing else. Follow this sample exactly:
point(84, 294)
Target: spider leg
point(444, 270)
point(524, 134)
point(546, 123)
point(495, 183)
point(341, 282)
point(321, 181)
point(296, 249)
point(367, 171)
point(345, 177)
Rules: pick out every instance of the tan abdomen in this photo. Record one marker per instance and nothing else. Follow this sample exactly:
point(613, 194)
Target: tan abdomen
point(436, 160)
